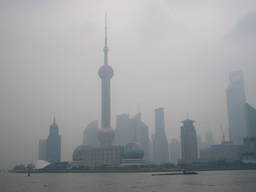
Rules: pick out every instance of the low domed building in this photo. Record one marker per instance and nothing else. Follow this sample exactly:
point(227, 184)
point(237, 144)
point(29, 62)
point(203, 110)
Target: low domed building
point(133, 154)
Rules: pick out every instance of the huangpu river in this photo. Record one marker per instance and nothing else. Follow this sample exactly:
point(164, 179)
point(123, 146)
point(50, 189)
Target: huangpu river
point(209, 181)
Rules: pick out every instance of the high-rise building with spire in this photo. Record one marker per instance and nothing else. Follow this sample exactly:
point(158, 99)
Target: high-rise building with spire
point(188, 140)
point(106, 134)
point(53, 145)
point(235, 102)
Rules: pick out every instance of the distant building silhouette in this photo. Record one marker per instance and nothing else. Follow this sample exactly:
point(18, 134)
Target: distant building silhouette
point(123, 131)
point(236, 100)
point(188, 141)
point(160, 143)
point(140, 134)
point(53, 145)
point(42, 149)
point(175, 151)
point(90, 134)
point(250, 140)
point(209, 139)
point(132, 130)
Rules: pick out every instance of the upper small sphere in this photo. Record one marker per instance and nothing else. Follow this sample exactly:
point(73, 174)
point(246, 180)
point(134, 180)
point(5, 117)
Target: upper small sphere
point(106, 72)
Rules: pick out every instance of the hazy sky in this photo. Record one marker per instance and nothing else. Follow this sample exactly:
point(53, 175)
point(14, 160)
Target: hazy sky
point(171, 54)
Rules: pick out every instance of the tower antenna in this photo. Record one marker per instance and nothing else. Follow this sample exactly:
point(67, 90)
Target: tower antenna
point(54, 119)
point(106, 46)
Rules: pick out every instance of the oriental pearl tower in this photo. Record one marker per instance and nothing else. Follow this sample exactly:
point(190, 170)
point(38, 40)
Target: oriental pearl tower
point(106, 134)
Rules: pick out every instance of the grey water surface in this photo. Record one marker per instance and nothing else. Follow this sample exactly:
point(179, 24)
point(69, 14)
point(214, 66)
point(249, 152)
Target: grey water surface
point(210, 181)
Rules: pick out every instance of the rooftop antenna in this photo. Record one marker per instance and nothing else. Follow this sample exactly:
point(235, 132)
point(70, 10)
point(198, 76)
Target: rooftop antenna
point(54, 119)
point(187, 113)
point(89, 119)
point(139, 109)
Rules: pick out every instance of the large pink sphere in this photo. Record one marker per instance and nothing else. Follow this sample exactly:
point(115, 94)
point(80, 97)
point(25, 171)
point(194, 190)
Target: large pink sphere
point(106, 135)
point(106, 72)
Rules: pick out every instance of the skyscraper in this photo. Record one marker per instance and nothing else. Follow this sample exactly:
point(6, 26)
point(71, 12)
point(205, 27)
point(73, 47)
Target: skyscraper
point(174, 151)
point(160, 143)
point(188, 141)
point(250, 114)
point(209, 139)
point(53, 145)
point(123, 132)
point(250, 140)
point(140, 133)
point(90, 134)
point(42, 149)
point(132, 130)
point(106, 134)
point(236, 100)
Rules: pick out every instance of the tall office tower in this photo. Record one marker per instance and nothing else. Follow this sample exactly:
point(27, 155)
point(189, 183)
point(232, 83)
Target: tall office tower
point(160, 143)
point(175, 151)
point(106, 134)
point(90, 134)
point(235, 94)
point(250, 140)
point(53, 144)
point(188, 141)
point(42, 149)
point(123, 133)
point(209, 139)
point(139, 134)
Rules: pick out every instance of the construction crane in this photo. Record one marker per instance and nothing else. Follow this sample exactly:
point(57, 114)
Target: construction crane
point(223, 134)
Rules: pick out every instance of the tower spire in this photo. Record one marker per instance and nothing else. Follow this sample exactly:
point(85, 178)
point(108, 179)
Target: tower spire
point(54, 119)
point(106, 46)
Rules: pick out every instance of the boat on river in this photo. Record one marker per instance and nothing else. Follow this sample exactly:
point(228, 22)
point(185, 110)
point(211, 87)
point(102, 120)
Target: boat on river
point(176, 173)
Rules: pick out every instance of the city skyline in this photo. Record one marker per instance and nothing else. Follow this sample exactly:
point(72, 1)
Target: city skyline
point(175, 55)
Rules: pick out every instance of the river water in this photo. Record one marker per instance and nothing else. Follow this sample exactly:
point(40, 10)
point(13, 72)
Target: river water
point(209, 181)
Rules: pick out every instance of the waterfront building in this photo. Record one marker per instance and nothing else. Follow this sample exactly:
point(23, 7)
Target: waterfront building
point(160, 143)
point(133, 154)
point(225, 151)
point(106, 134)
point(90, 134)
point(189, 151)
point(53, 145)
point(236, 100)
point(105, 155)
point(42, 149)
